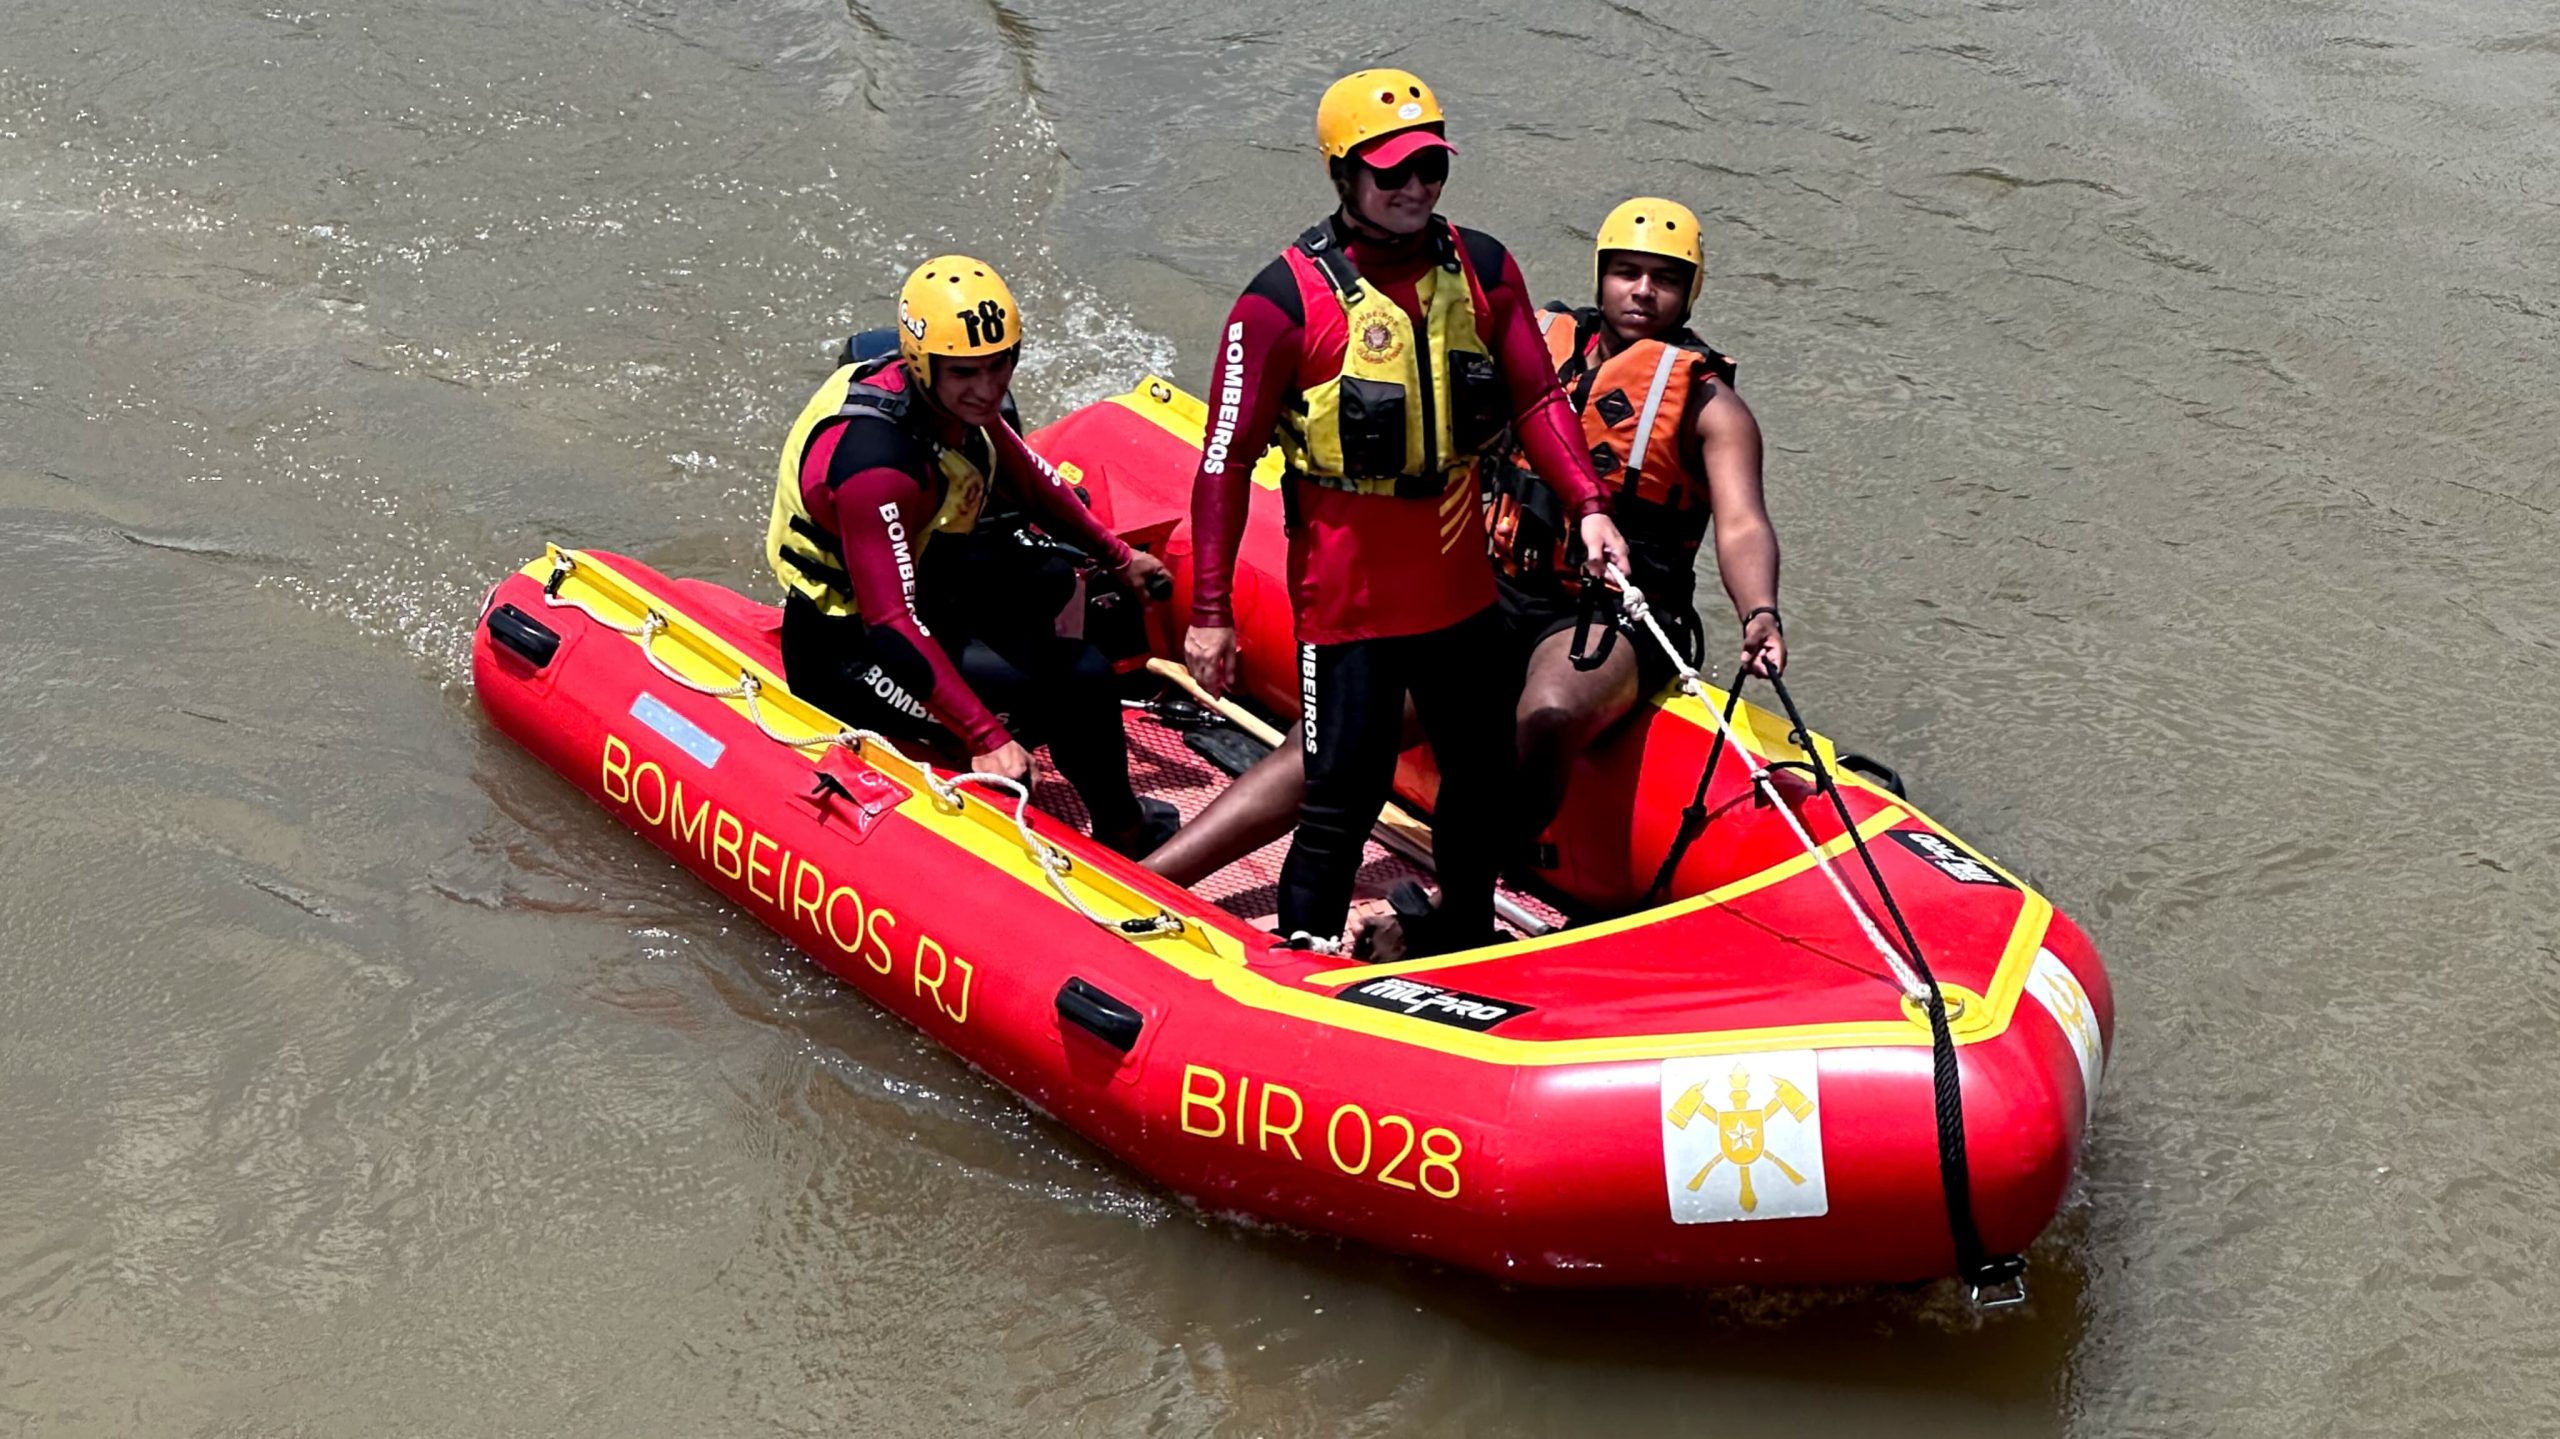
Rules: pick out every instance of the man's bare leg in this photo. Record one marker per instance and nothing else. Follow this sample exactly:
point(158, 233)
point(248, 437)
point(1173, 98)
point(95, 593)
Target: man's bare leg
point(1562, 711)
point(1259, 807)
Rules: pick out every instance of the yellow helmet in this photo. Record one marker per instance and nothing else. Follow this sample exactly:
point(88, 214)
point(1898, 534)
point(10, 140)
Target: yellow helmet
point(953, 305)
point(1366, 104)
point(1651, 226)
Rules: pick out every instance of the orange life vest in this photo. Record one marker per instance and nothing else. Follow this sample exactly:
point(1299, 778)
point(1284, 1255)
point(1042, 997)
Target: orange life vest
point(1638, 408)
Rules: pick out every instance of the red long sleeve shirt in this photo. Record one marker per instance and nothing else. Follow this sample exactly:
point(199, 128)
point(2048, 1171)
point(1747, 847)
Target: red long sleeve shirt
point(1368, 566)
point(882, 506)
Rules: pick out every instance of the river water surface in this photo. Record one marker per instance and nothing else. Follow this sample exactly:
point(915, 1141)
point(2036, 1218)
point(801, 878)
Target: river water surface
point(2162, 440)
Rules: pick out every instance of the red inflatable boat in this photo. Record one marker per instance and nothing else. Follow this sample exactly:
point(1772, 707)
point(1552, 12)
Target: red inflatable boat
point(1732, 1086)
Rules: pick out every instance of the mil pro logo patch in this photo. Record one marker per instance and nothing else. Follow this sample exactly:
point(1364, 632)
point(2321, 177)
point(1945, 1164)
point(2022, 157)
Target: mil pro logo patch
point(1950, 860)
point(1431, 1002)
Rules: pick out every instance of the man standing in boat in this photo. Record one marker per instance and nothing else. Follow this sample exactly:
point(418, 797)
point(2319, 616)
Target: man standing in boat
point(1390, 350)
point(892, 452)
point(1677, 447)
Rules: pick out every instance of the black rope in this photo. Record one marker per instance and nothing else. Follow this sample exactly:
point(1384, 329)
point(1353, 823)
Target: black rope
point(2003, 1274)
point(1693, 820)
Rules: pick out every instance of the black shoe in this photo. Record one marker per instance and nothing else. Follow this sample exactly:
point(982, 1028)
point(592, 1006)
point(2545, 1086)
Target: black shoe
point(1157, 822)
point(1428, 932)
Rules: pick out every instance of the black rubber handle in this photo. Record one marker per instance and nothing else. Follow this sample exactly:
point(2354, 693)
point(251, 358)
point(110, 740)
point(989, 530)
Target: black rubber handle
point(1877, 770)
point(1160, 585)
point(530, 638)
point(1098, 1014)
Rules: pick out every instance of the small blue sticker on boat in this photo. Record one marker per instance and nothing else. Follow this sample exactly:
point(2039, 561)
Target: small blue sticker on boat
point(683, 733)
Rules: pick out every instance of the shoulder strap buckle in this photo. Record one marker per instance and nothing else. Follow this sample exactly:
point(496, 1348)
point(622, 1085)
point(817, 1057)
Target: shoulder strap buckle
point(1318, 246)
point(861, 399)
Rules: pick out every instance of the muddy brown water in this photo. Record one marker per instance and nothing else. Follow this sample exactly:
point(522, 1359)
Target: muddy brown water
point(2162, 421)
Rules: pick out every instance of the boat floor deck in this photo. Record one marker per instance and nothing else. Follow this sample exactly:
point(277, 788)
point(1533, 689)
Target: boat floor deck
point(1162, 767)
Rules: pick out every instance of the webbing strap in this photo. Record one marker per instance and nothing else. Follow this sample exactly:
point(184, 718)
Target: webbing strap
point(1317, 245)
point(866, 400)
point(831, 575)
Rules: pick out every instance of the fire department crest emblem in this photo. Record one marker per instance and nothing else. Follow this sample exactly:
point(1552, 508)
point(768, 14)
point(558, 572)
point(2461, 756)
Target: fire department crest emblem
point(1742, 1137)
point(1377, 339)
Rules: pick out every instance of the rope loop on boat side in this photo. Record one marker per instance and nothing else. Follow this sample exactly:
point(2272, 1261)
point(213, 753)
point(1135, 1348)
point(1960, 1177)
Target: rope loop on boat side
point(1054, 862)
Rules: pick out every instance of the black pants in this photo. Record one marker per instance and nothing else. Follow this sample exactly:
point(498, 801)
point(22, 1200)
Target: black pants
point(1353, 699)
point(1048, 689)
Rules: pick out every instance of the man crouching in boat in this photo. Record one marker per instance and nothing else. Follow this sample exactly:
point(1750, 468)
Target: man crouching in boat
point(1392, 351)
point(891, 453)
point(1677, 448)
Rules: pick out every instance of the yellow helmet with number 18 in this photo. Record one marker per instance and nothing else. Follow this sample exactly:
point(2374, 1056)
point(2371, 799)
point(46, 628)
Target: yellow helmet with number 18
point(1651, 226)
point(956, 306)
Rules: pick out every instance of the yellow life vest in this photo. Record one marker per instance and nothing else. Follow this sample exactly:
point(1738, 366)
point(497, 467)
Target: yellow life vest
point(805, 554)
point(1399, 418)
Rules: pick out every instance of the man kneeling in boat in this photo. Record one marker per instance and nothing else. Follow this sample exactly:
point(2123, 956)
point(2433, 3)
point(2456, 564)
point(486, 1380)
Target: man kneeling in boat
point(1676, 447)
point(892, 452)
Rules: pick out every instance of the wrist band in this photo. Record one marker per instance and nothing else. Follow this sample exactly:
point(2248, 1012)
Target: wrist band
point(1771, 611)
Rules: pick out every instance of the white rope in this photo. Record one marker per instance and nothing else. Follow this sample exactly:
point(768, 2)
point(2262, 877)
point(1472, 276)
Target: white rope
point(1631, 600)
point(1054, 862)
point(1317, 944)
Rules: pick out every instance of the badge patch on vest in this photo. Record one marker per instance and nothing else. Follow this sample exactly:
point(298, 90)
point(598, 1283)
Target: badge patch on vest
point(1615, 407)
point(1375, 334)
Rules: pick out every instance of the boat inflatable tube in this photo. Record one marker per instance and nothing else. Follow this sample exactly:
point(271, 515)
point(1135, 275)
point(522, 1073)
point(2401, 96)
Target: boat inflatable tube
point(1728, 1087)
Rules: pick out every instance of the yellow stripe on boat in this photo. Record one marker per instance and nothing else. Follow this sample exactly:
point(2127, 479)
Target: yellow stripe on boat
point(1206, 952)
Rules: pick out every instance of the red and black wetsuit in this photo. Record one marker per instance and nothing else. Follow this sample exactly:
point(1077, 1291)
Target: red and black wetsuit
point(990, 655)
point(1388, 600)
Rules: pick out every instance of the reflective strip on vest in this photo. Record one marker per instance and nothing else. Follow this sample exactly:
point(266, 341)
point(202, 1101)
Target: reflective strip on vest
point(1659, 505)
point(1652, 410)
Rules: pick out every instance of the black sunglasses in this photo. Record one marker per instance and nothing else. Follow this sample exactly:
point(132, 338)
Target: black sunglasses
point(1430, 166)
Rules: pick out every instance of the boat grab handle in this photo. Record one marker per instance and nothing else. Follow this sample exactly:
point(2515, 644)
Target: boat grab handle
point(1098, 1014)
